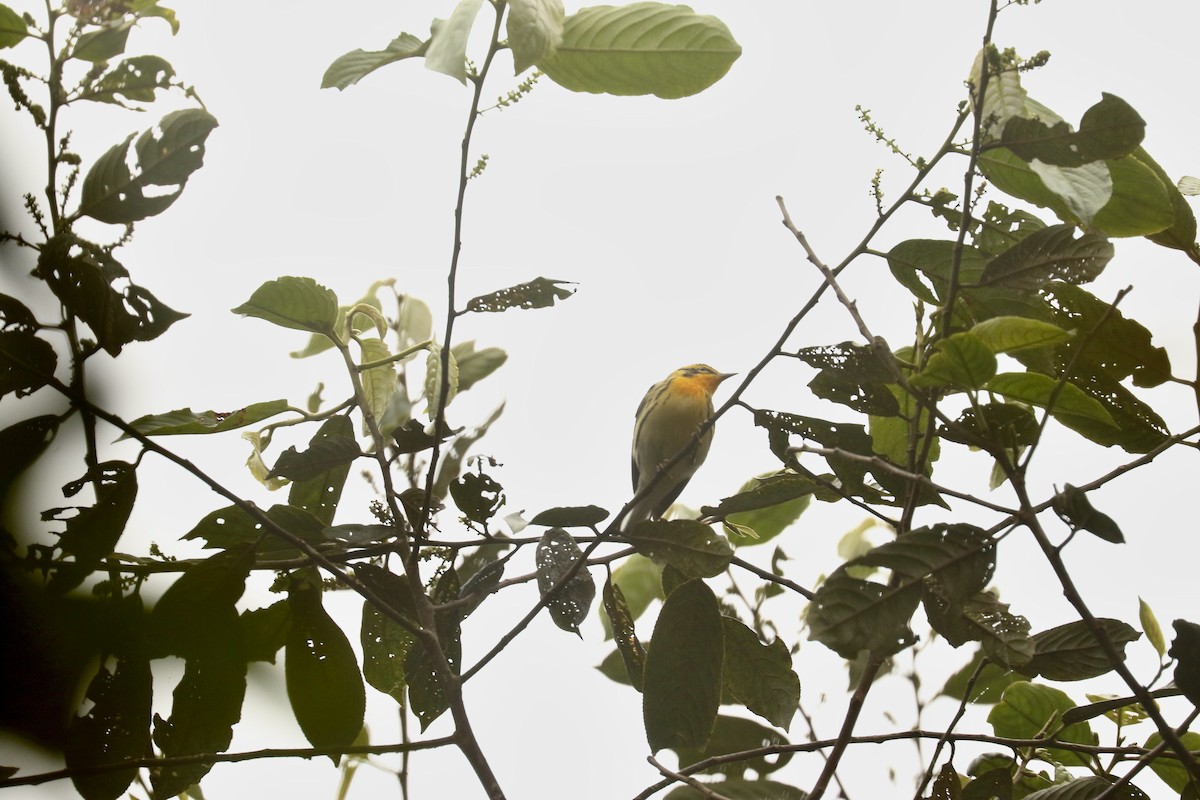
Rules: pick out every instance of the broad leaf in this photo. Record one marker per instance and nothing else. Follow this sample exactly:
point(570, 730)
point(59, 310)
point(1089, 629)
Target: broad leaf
point(1071, 653)
point(349, 69)
point(691, 547)
point(535, 30)
point(1005, 334)
point(136, 79)
point(641, 48)
point(290, 302)
point(21, 444)
point(557, 554)
point(538, 293)
point(1109, 129)
point(27, 363)
point(1029, 711)
point(760, 676)
point(681, 688)
point(737, 735)
point(619, 619)
point(320, 494)
point(849, 615)
point(475, 365)
point(12, 27)
point(93, 532)
point(961, 361)
point(1049, 254)
point(184, 420)
point(570, 517)
point(323, 454)
point(447, 51)
point(1074, 507)
point(1172, 772)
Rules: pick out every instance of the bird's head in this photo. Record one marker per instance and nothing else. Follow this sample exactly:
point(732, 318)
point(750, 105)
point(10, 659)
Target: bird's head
point(698, 378)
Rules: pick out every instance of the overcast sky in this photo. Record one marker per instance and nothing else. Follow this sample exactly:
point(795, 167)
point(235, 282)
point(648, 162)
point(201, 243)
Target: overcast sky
point(663, 213)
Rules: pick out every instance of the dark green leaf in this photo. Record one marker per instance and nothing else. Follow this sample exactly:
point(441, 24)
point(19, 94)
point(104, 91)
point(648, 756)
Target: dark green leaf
point(538, 293)
point(412, 438)
point(26, 363)
point(570, 517)
point(134, 79)
point(760, 676)
point(640, 580)
point(114, 194)
point(987, 688)
point(848, 615)
point(925, 266)
point(92, 534)
point(961, 361)
point(620, 623)
point(323, 680)
point(852, 375)
point(196, 615)
point(1071, 653)
point(1109, 129)
point(320, 494)
point(357, 534)
point(14, 314)
point(101, 45)
point(21, 444)
point(1031, 711)
point(1185, 649)
point(481, 584)
point(385, 642)
point(767, 506)
point(290, 302)
point(682, 677)
point(641, 48)
point(81, 275)
point(349, 69)
point(557, 554)
point(1049, 254)
point(1076, 510)
point(477, 496)
point(738, 789)
point(737, 735)
point(264, 631)
point(324, 454)
point(427, 691)
point(1005, 425)
point(691, 547)
point(117, 727)
point(959, 559)
point(184, 420)
point(947, 785)
point(982, 618)
point(1087, 789)
point(995, 784)
point(231, 526)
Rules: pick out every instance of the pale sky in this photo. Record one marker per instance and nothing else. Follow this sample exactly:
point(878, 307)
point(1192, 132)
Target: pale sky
point(664, 214)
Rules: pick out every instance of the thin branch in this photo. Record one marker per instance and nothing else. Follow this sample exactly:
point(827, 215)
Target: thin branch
point(701, 787)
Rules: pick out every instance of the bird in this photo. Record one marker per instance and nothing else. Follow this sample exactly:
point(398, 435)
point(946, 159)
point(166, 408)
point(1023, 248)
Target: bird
point(666, 420)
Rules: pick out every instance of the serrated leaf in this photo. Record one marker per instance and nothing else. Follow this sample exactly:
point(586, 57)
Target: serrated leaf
point(570, 517)
point(691, 547)
point(185, 421)
point(557, 553)
point(760, 676)
point(1071, 652)
point(351, 68)
point(641, 48)
point(849, 615)
point(290, 302)
point(166, 157)
point(1028, 711)
point(1151, 628)
point(961, 361)
point(1049, 254)
point(682, 679)
point(324, 683)
point(620, 623)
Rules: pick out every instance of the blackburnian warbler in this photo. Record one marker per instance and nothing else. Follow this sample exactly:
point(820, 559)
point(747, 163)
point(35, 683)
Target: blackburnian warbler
point(667, 419)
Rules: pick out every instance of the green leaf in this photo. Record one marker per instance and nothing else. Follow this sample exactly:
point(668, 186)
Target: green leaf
point(570, 517)
point(619, 619)
point(1072, 407)
point(451, 465)
point(1088, 788)
point(987, 688)
point(92, 534)
point(691, 547)
point(1005, 333)
point(196, 616)
point(557, 553)
point(298, 303)
point(101, 45)
point(477, 496)
point(853, 375)
point(1141, 202)
point(1071, 653)
point(385, 643)
point(447, 51)
point(21, 444)
point(1074, 507)
point(320, 494)
point(117, 727)
point(849, 615)
point(1028, 710)
point(324, 684)
point(640, 581)
point(474, 366)
point(760, 676)
point(12, 27)
point(135, 79)
point(682, 680)
point(1182, 233)
point(739, 789)
point(1151, 628)
point(232, 525)
point(323, 455)
point(1049, 254)
point(166, 156)
point(351, 68)
point(641, 48)
point(961, 361)
point(1172, 772)
point(264, 631)
point(184, 420)
point(428, 694)
point(537, 293)
point(1109, 129)
point(1006, 425)
point(982, 618)
point(959, 559)
point(737, 735)
point(535, 30)
point(379, 383)
point(26, 363)
point(925, 266)
point(766, 506)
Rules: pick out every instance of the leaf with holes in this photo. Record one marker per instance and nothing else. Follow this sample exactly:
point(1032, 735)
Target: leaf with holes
point(557, 553)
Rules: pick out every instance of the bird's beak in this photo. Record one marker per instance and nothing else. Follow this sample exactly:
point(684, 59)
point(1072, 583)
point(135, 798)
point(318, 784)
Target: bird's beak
point(726, 375)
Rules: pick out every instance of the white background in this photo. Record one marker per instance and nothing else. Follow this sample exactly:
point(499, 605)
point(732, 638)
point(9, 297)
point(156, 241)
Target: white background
point(663, 212)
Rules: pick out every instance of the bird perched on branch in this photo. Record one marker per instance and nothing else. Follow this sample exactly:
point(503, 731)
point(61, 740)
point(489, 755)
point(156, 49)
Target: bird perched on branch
point(667, 419)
